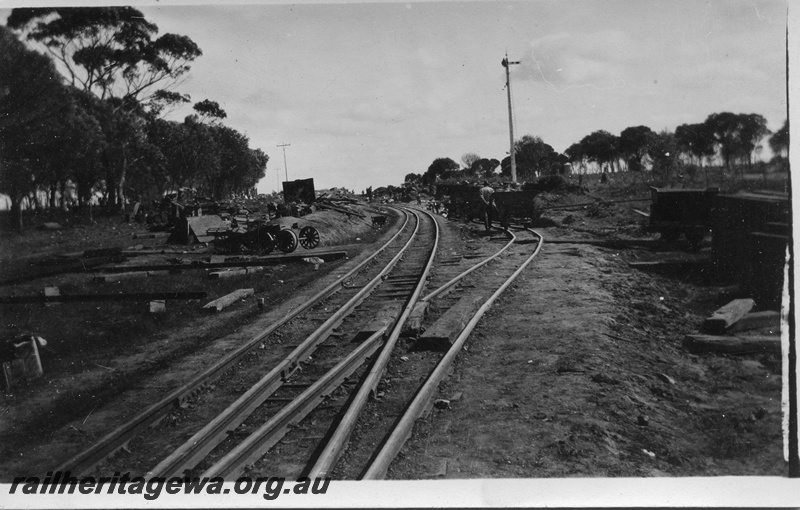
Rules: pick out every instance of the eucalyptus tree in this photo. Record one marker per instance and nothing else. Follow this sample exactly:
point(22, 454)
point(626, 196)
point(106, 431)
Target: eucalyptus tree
point(534, 157)
point(468, 160)
point(663, 152)
point(601, 147)
point(485, 167)
point(236, 171)
point(736, 135)
point(752, 130)
point(117, 55)
point(779, 141)
point(110, 51)
point(31, 95)
point(209, 110)
point(441, 168)
point(634, 143)
point(695, 140)
point(576, 153)
point(412, 179)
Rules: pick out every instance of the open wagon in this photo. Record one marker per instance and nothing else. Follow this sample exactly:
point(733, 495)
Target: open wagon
point(681, 211)
point(259, 238)
point(515, 206)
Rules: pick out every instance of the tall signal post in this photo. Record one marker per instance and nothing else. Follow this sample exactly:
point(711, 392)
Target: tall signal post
point(285, 167)
point(506, 64)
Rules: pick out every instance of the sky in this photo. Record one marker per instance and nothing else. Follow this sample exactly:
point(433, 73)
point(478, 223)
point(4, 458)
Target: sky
point(366, 93)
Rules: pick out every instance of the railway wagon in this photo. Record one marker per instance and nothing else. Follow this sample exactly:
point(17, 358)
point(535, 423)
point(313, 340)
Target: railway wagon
point(681, 211)
point(750, 234)
point(515, 206)
point(463, 201)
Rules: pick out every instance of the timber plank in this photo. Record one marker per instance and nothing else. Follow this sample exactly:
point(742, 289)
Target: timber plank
point(758, 320)
point(229, 299)
point(726, 316)
point(442, 333)
point(732, 344)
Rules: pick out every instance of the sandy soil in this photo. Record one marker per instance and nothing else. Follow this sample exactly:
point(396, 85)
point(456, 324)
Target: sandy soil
point(578, 371)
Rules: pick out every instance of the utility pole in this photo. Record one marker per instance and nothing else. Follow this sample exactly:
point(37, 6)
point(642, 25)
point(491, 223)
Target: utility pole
point(285, 167)
point(507, 63)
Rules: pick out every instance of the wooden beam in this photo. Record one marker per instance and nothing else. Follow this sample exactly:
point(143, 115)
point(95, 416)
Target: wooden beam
point(228, 273)
point(757, 320)
point(726, 316)
point(229, 299)
point(256, 261)
point(82, 298)
point(732, 344)
point(441, 335)
point(413, 324)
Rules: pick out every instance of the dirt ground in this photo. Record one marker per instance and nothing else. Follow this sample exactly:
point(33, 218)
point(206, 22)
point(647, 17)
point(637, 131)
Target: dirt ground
point(577, 370)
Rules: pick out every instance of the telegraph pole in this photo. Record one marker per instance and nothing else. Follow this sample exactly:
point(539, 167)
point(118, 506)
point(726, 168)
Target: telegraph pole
point(285, 167)
point(507, 63)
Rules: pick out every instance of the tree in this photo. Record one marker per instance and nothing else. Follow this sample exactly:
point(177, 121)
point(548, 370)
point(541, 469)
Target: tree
point(124, 151)
point(576, 154)
point(633, 145)
point(485, 167)
point(696, 140)
point(413, 179)
point(779, 142)
point(239, 168)
point(162, 101)
point(724, 129)
point(209, 110)
point(663, 152)
point(601, 147)
point(110, 51)
point(736, 135)
point(533, 157)
point(439, 169)
point(469, 159)
point(752, 129)
point(31, 95)
point(199, 155)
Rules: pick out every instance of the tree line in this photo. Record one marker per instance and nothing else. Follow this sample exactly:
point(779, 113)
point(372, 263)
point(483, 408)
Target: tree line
point(83, 96)
point(725, 139)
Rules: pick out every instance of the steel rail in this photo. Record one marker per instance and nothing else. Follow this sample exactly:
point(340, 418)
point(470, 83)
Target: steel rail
point(268, 434)
point(206, 439)
point(457, 278)
point(338, 441)
point(403, 428)
point(117, 438)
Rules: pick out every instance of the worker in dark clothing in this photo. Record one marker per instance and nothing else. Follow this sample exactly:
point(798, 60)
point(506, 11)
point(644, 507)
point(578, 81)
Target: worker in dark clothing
point(487, 196)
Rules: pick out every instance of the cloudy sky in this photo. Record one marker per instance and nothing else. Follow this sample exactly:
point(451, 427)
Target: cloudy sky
point(366, 93)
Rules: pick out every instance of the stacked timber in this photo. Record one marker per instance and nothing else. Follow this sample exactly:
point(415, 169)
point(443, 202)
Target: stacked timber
point(720, 331)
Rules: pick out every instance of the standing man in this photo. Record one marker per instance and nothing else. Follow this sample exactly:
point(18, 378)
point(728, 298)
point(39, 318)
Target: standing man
point(487, 195)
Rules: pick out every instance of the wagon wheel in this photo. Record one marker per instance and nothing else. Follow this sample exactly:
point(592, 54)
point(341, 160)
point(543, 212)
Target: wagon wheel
point(309, 238)
point(286, 241)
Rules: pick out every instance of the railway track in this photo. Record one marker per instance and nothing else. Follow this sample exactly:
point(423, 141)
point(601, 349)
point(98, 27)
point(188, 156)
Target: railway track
point(311, 405)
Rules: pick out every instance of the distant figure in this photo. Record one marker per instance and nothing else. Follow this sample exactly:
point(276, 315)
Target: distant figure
point(487, 196)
